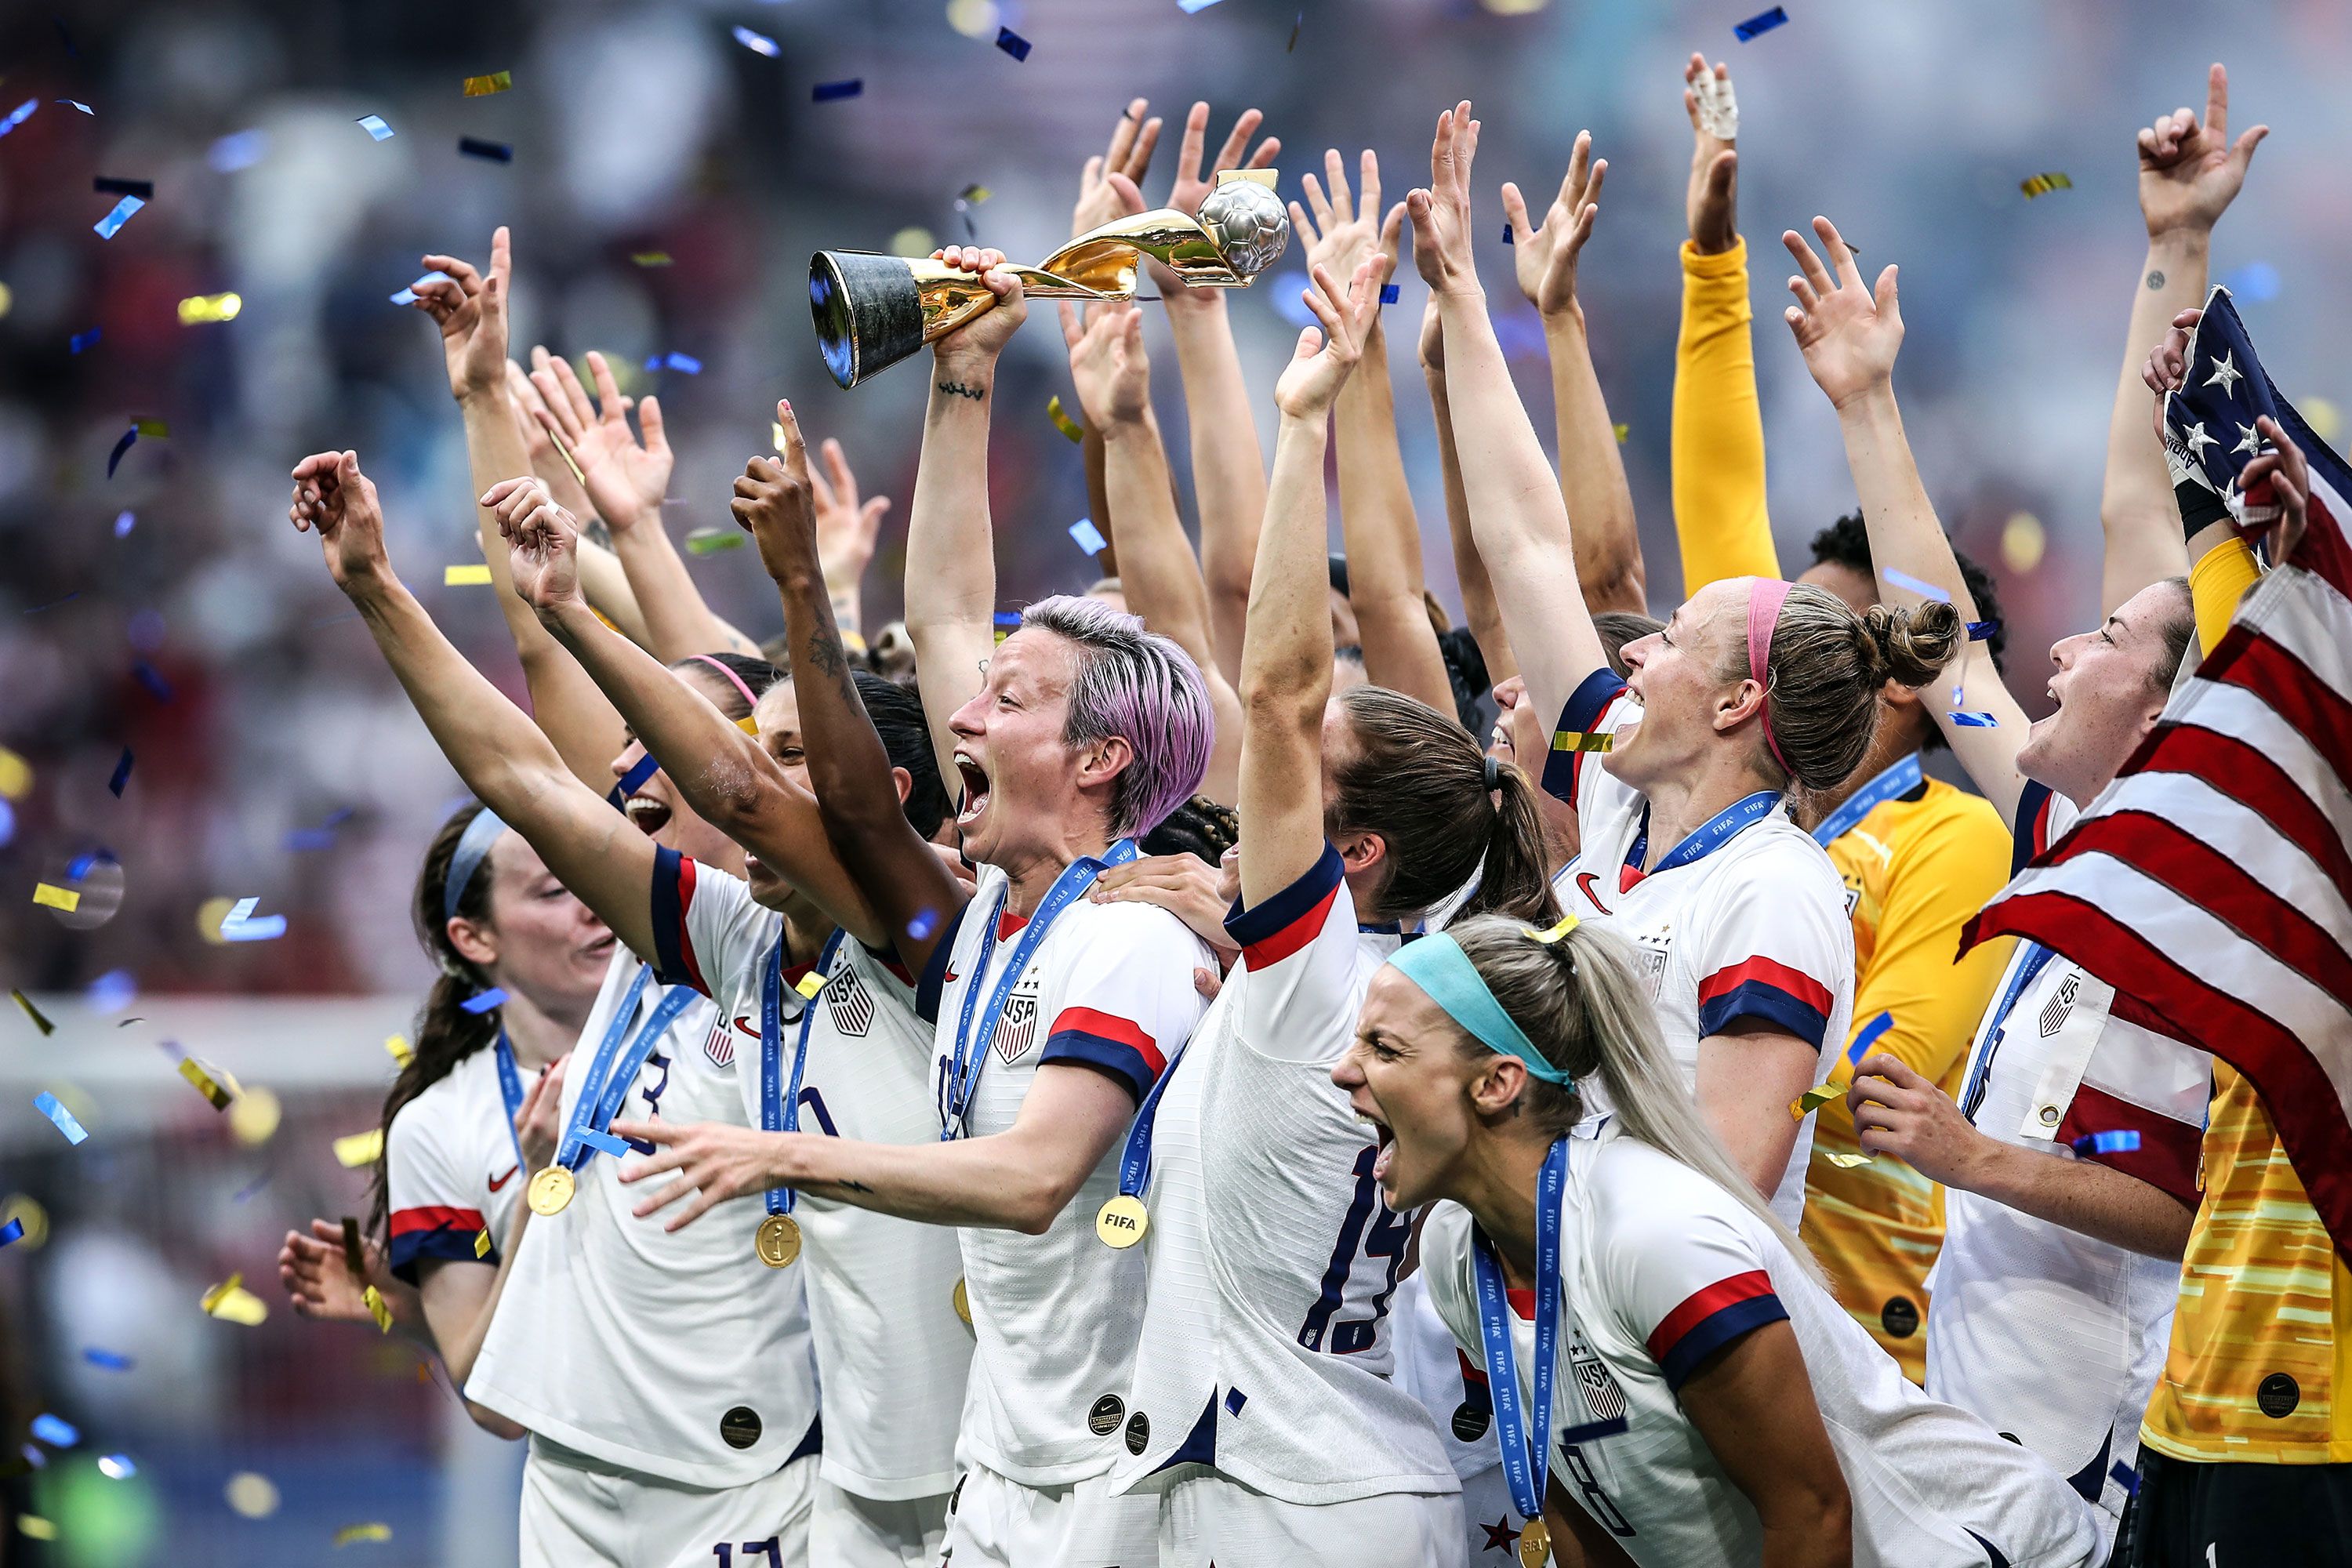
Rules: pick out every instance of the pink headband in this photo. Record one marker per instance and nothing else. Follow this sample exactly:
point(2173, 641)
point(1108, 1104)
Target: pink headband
point(737, 681)
point(1764, 601)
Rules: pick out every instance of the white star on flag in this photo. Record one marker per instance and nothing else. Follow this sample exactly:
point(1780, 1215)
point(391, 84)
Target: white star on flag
point(2197, 440)
point(2225, 376)
point(2249, 439)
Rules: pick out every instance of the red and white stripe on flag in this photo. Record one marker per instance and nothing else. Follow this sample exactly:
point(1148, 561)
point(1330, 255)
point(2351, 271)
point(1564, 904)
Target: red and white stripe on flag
point(2211, 883)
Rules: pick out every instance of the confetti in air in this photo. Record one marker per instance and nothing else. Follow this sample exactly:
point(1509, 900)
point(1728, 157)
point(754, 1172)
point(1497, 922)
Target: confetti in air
point(1062, 420)
point(1088, 536)
point(49, 1105)
point(50, 896)
point(490, 152)
point(351, 1532)
point(1967, 720)
point(107, 185)
point(1013, 43)
point(1388, 293)
point(483, 1001)
point(408, 295)
point(1812, 1100)
point(107, 227)
point(375, 126)
point(243, 926)
point(483, 86)
point(1918, 585)
point(711, 541)
point(1761, 23)
point(474, 576)
point(40, 1019)
point(1869, 1037)
point(198, 309)
point(758, 43)
point(834, 91)
point(2122, 1141)
point(358, 1149)
point(54, 1430)
point(202, 1081)
point(2042, 184)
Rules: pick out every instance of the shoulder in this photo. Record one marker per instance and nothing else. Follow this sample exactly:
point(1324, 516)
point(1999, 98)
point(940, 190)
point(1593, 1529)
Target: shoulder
point(1146, 930)
point(1446, 1267)
point(429, 1125)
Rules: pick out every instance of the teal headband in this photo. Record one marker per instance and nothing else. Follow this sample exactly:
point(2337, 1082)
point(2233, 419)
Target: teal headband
point(1439, 966)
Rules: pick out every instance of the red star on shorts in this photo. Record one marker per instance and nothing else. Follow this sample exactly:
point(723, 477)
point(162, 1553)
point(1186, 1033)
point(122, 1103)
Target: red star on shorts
point(1500, 1536)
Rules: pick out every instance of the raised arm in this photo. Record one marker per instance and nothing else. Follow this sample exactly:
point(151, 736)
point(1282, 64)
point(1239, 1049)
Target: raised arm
point(506, 760)
point(1161, 579)
point(602, 577)
point(1517, 515)
point(846, 527)
point(1717, 442)
point(1849, 338)
point(951, 543)
point(626, 477)
point(910, 890)
point(2189, 172)
point(1376, 518)
point(1592, 469)
point(471, 310)
point(1484, 616)
point(1287, 657)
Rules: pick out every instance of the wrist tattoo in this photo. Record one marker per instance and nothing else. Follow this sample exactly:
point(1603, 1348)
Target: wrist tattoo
point(2156, 281)
point(959, 389)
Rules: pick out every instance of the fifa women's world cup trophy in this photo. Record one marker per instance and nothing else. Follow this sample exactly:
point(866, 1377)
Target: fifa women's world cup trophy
point(874, 310)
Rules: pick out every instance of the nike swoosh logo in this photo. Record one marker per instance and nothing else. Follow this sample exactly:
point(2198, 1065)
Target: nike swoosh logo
point(497, 1182)
point(746, 1024)
point(1584, 880)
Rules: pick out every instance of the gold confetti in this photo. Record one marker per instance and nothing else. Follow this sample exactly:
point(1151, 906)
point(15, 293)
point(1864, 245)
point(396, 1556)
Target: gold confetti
point(1848, 1162)
point(56, 897)
point(483, 86)
point(711, 541)
point(1622, 431)
point(16, 775)
point(152, 429)
point(203, 1083)
point(403, 1052)
point(40, 1019)
point(810, 984)
point(351, 1532)
point(1062, 420)
point(198, 309)
point(1578, 740)
point(373, 1299)
point(360, 1149)
point(2042, 184)
point(232, 1303)
point(481, 1244)
point(252, 1494)
point(253, 1119)
point(748, 726)
point(650, 257)
point(465, 576)
point(33, 1527)
point(1812, 1100)
point(972, 195)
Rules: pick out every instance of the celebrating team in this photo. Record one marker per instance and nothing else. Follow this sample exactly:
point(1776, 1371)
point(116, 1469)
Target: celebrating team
point(1111, 1192)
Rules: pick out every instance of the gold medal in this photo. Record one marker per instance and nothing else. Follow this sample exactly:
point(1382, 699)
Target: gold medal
point(779, 1241)
point(1535, 1544)
point(962, 1300)
point(550, 1190)
point(1122, 1221)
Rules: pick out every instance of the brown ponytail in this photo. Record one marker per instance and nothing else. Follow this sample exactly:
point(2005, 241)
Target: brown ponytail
point(445, 1033)
point(1824, 671)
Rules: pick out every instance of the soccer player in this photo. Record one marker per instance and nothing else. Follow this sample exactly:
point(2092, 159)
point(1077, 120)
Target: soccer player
point(1696, 1396)
point(1678, 774)
point(494, 919)
point(666, 1382)
point(2071, 1155)
point(1055, 1014)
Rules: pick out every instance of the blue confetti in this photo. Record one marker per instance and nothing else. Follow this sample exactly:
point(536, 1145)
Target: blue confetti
point(2122, 1141)
point(484, 1001)
point(1869, 1037)
point(1507, 235)
point(2255, 282)
point(923, 925)
point(77, 103)
point(85, 340)
point(123, 523)
point(758, 43)
point(374, 125)
point(114, 459)
point(241, 925)
point(238, 150)
point(1088, 536)
point(1013, 43)
point(597, 1138)
point(107, 227)
point(2125, 1477)
point(1983, 631)
point(1967, 720)
point(495, 152)
point(112, 992)
point(1761, 23)
point(152, 679)
point(35, 1458)
point(833, 92)
point(117, 1466)
point(47, 1104)
point(254, 1186)
point(109, 1360)
point(54, 1430)
point(1388, 294)
point(13, 1231)
point(121, 775)
point(685, 365)
point(632, 781)
point(408, 295)
point(1008, 617)
point(1190, 7)
point(1235, 1399)
point(18, 115)
point(1926, 590)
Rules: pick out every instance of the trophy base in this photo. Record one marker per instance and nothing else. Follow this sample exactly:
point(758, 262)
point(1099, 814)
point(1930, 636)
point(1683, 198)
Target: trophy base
point(868, 311)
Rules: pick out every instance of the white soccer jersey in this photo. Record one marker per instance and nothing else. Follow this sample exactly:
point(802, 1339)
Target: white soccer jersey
point(1109, 988)
point(1267, 1350)
point(449, 1170)
point(891, 1353)
point(2050, 1335)
point(676, 1355)
point(1752, 926)
point(1660, 1268)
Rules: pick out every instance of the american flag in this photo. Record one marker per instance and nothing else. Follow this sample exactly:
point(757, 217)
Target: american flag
point(2211, 882)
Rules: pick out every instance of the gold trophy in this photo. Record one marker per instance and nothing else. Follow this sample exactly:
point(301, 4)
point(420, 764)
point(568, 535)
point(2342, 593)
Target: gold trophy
point(873, 310)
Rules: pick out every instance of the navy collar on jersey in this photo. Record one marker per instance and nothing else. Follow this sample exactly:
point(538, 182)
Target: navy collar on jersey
point(1703, 841)
point(1898, 780)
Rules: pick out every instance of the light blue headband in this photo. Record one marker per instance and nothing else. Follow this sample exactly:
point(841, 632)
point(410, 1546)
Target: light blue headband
point(466, 858)
point(1439, 966)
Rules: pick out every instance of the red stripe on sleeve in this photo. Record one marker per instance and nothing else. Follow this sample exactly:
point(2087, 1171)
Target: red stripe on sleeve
point(1701, 1305)
point(1111, 1027)
point(2169, 1150)
point(1795, 981)
point(407, 1221)
point(1291, 938)
point(685, 932)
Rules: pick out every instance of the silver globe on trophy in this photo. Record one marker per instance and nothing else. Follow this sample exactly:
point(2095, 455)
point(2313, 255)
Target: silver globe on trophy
point(873, 310)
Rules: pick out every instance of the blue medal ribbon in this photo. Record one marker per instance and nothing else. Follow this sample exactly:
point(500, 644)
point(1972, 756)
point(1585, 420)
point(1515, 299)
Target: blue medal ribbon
point(971, 1049)
point(1709, 836)
point(1523, 1470)
point(2030, 962)
point(1899, 780)
point(613, 1071)
point(782, 1113)
point(1134, 1162)
point(510, 1090)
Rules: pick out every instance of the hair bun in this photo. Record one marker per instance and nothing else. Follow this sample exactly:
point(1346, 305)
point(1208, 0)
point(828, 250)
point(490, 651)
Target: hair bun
point(1912, 647)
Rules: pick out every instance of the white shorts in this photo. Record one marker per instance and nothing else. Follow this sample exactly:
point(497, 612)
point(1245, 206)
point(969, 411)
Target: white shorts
point(1214, 1521)
point(846, 1530)
point(995, 1522)
point(579, 1512)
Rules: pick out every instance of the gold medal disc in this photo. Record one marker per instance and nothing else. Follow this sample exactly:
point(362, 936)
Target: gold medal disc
point(550, 1190)
point(779, 1241)
point(962, 1300)
point(1535, 1544)
point(1122, 1221)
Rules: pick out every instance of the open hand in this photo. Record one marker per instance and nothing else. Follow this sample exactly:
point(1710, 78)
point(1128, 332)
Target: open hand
point(1339, 233)
point(1313, 378)
point(624, 477)
point(319, 1277)
point(973, 347)
point(774, 503)
point(846, 527)
point(539, 1124)
point(537, 424)
point(1546, 257)
point(1712, 200)
point(471, 311)
point(1848, 335)
point(1100, 199)
point(2190, 172)
point(1442, 248)
point(1108, 365)
point(713, 1160)
point(333, 498)
point(542, 542)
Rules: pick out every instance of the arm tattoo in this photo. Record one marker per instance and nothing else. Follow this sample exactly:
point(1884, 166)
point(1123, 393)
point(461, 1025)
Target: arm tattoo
point(2156, 281)
point(825, 656)
point(958, 389)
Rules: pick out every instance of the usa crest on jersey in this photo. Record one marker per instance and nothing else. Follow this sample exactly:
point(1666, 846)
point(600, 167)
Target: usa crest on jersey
point(852, 1004)
point(720, 1046)
point(1653, 947)
point(1603, 1396)
point(1017, 1032)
